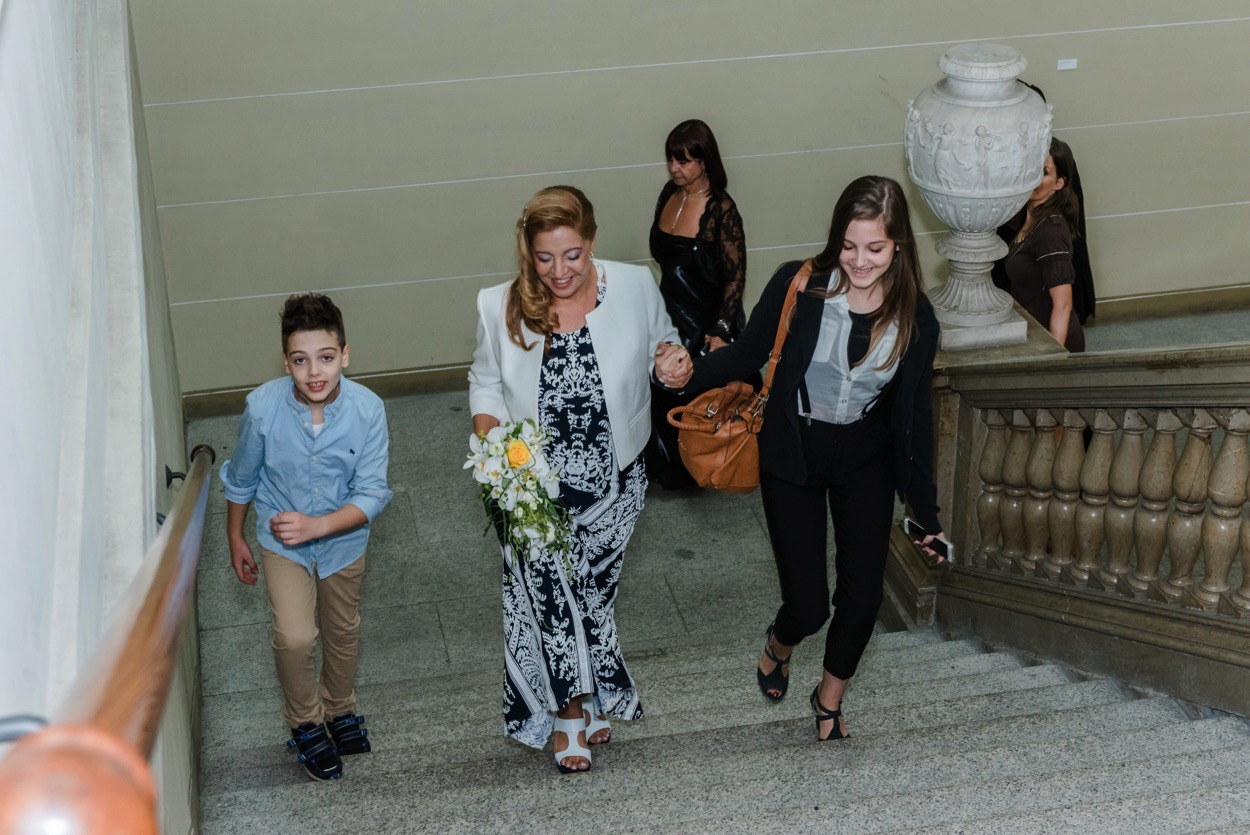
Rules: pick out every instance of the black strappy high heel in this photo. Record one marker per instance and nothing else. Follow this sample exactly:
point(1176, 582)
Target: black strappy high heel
point(776, 680)
point(824, 714)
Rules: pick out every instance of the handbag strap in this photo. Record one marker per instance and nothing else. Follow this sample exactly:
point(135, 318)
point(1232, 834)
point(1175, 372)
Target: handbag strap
point(787, 311)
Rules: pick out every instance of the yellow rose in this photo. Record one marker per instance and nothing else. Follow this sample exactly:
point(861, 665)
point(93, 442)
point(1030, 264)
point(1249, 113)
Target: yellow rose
point(518, 453)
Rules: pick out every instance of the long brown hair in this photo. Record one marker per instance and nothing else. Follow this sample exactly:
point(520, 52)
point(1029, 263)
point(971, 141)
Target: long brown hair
point(1064, 201)
point(872, 198)
point(529, 300)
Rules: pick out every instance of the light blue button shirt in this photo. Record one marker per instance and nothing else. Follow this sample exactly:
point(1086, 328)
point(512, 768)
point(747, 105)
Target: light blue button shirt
point(280, 465)
point(837, 392)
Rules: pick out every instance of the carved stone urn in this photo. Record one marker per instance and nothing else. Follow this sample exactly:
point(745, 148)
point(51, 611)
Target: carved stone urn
point(976, 142)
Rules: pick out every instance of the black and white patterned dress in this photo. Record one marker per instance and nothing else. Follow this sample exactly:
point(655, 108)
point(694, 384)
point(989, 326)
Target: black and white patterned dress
point(559, 619)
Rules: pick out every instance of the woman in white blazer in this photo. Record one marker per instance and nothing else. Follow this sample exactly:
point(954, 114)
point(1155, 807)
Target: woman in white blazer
point(570, 343)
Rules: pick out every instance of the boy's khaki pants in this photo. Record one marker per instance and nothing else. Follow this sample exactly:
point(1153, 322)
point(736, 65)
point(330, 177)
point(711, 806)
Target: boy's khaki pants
point(300, 602)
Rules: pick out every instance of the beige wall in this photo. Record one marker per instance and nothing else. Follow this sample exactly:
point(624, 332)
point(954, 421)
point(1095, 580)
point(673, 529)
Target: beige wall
point(383, 150)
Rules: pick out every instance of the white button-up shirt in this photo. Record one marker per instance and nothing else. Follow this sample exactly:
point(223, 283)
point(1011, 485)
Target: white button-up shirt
point(837, 392)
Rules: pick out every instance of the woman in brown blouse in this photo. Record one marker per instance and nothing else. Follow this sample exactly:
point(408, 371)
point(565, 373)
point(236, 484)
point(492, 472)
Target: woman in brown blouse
point(1039, 254)
point(698, 242)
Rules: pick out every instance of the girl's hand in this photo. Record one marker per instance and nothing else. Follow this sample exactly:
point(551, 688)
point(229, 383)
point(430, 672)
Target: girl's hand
point(925, 544)
point(673, 367)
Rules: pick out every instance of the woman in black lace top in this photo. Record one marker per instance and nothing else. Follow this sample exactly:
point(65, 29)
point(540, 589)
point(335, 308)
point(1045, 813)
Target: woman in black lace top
point(698, 242)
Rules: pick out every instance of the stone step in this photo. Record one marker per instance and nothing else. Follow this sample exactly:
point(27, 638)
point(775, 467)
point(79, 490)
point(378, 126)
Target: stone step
point(880, 657)
point(904, 639)
point(757, 783)
point(639, 787)
point(739, 706)
point(925, 802)
point(741, 654)
point(738, 686)
point(732, 703)
point(265, 762)
point(665, 679)
point(1070, 709)
point(1220, 809)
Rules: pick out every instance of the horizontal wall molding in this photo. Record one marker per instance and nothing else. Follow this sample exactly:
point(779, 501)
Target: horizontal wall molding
point(659, 167)
point(725, 59)
point(1203, 300)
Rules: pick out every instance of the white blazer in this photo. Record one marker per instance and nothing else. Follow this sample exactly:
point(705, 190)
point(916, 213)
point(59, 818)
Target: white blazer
point(624, 329)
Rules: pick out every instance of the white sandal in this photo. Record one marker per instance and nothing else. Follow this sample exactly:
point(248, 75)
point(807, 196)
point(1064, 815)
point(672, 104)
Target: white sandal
point(571, 728)
point(590, 709)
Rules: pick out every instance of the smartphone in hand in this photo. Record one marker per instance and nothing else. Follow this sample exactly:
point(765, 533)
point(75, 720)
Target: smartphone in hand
point(942, 547)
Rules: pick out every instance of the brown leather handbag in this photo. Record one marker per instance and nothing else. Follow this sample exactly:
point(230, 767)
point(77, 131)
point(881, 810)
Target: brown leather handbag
point(716, 430)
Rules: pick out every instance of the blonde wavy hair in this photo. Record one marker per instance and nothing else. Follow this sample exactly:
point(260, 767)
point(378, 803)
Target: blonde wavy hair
point(529, 300)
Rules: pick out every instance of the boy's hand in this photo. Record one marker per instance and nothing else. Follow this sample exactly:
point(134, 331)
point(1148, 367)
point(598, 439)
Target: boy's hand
point(292, 528)
point(244, 562)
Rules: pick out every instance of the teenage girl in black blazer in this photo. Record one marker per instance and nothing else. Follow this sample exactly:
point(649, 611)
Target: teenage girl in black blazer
point(849, 423)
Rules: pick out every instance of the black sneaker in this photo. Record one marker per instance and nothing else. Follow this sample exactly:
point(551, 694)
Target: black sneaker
point(350, 734)
point(316, 751)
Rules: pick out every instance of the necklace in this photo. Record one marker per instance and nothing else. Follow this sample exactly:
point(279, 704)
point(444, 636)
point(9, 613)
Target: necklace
point(685, 195)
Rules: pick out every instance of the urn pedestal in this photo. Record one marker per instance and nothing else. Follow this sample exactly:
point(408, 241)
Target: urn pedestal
point(976, 142)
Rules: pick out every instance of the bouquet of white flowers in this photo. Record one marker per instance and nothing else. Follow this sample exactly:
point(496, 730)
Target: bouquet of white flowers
point(518, 483)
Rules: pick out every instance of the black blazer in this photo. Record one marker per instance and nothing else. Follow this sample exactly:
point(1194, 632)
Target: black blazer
point(908, 398)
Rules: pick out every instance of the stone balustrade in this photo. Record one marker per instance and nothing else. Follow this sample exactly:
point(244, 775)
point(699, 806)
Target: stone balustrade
point(1100, 509)
point(1122, 473)
point(1126, 514)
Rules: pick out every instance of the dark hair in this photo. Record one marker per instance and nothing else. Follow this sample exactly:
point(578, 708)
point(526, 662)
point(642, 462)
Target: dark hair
point(312, 312)
point(1064, 201)
point(872, 198)
point(529, 299)
point(693, 139)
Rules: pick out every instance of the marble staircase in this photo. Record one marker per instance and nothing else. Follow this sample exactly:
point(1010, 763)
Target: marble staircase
point(948, 736)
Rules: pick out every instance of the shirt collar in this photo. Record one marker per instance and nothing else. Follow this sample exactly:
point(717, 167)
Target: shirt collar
point(330, 410)
point(838, 300)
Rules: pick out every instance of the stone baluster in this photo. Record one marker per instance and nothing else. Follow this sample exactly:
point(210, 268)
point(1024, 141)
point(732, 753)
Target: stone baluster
point(1065, 479)
point(1037, 472)
point(1237, 604)
point(1227, 491)
point(1189, 483)
point(1118, 518)
point(1095, 493)
point(1151, 519)
point(1015, 465)
point(991, 472)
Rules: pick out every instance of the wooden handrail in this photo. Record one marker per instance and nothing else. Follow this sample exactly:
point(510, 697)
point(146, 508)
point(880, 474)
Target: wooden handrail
point(88, 772)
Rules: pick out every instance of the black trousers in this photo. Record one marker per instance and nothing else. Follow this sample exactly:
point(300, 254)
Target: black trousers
point(849, 468)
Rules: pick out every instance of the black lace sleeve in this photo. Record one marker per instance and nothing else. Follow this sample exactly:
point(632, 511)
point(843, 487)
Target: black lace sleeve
point(728, 242)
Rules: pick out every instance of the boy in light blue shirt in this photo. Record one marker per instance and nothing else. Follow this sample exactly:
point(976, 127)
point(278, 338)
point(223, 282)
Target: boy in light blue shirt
point(311, 457)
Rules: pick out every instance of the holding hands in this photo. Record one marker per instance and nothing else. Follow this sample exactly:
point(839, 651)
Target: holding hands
point(673, 367)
